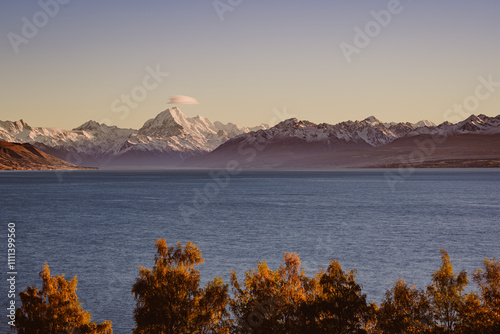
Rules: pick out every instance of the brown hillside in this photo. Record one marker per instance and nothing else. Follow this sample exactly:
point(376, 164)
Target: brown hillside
point(14, 156)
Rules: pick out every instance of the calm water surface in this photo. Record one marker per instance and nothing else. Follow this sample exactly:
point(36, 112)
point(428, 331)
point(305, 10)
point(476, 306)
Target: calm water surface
point(101, 225)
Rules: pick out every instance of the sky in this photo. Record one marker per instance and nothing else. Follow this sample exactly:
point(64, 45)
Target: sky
point(64, 62)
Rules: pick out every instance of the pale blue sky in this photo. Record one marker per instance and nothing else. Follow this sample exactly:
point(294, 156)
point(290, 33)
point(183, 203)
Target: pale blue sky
point(264, 55)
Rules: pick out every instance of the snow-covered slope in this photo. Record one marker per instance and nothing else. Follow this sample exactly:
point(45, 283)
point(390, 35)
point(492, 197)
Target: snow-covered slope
point(302, 144)
point(370, 130)
point(164, 140)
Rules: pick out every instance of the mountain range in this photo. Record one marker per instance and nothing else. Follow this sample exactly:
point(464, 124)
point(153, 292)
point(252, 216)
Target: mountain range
point(166, 140)
point(292, 143)
point(172, 139)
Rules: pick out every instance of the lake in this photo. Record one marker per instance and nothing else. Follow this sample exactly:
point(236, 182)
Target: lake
point(102, 225)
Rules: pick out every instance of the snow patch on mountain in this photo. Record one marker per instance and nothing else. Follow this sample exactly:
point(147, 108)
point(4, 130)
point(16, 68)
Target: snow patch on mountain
point(371, 130)
point(423, 123)
point(172, 135)
point(170, 132)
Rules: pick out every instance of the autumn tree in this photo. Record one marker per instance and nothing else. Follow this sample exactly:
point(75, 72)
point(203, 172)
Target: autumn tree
point(285, 300)
point(404, 309)
point(270, 300)
point(169, 299)
point(340, 306)
point(446, 295)
point(480, 313)
point(55, 309)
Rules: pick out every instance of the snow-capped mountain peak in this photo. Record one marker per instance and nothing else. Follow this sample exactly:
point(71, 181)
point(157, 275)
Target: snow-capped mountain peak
point(172, 122)
point(479, 123)
point(294, 123)
point(166, 124)
point(371, 120)
point(423, 123)
point(90, 125)
point(20, 125)
point(371, 131)
point(171, 136)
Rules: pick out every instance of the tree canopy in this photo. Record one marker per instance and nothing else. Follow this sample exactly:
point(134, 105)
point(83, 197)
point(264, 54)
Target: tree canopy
point(55, 309)
point(169, 299)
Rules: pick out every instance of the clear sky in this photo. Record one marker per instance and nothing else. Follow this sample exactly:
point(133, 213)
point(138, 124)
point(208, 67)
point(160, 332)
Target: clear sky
point(263, 55)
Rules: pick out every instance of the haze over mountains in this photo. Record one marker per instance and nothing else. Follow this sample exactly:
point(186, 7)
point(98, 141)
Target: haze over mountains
point(172, 139)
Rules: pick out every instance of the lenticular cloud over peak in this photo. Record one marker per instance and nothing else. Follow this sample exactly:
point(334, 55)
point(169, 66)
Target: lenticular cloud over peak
point(182, 99)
